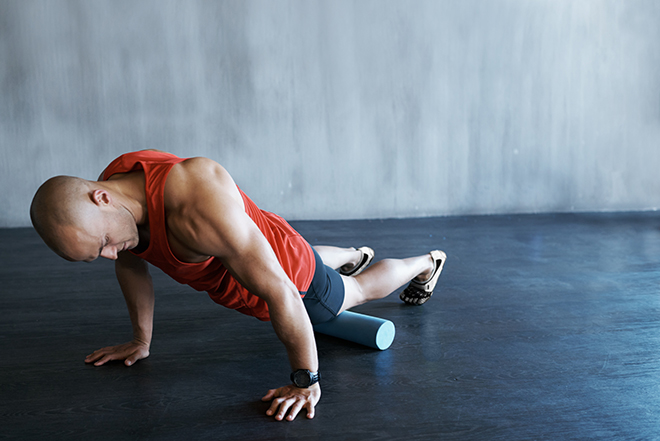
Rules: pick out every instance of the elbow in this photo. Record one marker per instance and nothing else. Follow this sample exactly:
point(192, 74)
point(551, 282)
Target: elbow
point(285, 298)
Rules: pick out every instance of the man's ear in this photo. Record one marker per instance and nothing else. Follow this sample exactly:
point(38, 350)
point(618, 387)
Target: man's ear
point(101, 197)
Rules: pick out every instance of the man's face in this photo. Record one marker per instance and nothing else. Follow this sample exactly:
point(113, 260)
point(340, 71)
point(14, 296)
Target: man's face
point(103, 233)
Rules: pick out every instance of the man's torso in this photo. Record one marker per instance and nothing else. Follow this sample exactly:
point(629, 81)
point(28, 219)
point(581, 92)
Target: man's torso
point(173, 226)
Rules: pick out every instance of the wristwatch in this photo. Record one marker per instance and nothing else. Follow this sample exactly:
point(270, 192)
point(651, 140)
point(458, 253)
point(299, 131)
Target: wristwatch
point(303, 378)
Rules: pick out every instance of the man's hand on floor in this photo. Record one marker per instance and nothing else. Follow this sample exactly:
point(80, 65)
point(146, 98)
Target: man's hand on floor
point(292, 399)
point(129, 352)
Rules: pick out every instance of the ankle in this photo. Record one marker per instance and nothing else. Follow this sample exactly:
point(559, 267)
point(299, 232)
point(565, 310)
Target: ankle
point(355, 259)
point(425, 275)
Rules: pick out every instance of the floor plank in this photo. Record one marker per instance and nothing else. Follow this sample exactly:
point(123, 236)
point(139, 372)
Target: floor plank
point(545, 327)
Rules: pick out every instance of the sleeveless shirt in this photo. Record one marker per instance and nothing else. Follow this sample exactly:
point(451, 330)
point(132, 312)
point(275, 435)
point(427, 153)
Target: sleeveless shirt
point(293, 252)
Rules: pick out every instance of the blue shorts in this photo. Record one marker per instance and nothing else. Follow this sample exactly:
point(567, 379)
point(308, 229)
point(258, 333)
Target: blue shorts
point(325, 295)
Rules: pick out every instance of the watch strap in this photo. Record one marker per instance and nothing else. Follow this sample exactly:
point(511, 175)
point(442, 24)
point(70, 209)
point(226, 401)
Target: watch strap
point(311, 378)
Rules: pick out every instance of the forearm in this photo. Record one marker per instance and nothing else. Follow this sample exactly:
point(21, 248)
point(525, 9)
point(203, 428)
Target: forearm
point(292, 326)
point(135, 281)
point(136, 285)
point(259, 271)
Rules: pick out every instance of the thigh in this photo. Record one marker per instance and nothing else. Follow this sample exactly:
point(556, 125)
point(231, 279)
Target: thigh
point(352, 293)
point(325, 296)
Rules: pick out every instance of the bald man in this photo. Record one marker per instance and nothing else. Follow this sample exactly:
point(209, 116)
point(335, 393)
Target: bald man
point(188, 217)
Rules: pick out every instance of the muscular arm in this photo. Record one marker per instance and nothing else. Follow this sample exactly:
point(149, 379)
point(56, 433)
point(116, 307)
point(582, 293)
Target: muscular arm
point(135, 282)
point(207, 216)
point(250, 258)
point(137, 287)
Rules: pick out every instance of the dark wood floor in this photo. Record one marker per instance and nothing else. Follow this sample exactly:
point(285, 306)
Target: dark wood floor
point(545, 327)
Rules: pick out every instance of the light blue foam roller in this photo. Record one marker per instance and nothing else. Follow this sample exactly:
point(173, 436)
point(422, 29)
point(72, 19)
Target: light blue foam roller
point(363, 329)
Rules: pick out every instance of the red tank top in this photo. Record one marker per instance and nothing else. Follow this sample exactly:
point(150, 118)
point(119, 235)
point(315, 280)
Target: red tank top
point(293, 252)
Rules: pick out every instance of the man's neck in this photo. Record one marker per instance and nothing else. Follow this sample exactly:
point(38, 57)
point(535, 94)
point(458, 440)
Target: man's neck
point(129, 191)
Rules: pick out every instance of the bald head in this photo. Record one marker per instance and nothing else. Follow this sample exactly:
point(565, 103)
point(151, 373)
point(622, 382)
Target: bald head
point(61, 202)
point(83, 220)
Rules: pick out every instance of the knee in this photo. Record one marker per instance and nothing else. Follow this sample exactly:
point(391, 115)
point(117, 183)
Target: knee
point(354, 292)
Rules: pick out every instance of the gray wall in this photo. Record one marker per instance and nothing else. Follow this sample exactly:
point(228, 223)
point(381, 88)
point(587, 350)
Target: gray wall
point(343, 109)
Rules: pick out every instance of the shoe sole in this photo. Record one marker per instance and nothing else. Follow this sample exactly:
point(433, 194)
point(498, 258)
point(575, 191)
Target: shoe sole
point(418, 293)
point(367, 257)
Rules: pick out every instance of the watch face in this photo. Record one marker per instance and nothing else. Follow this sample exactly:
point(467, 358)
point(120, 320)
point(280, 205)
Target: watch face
point(302, 378)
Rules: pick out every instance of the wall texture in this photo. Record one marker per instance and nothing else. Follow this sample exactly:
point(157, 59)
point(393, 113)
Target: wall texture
point(343, 109)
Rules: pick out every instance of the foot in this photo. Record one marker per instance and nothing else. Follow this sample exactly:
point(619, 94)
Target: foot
point(425, 276)
point(421, 287)
point(355, 268)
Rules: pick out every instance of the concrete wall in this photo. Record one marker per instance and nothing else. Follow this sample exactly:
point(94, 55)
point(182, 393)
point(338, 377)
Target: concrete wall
point(343, 109)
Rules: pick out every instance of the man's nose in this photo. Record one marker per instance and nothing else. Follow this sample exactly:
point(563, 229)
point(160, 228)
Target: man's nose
point(109, 252)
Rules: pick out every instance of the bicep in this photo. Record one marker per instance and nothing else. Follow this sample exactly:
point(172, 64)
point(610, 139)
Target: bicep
point(235, 239)
point(251, 259)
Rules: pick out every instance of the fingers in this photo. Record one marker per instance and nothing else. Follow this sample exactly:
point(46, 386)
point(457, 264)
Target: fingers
point(270, 395)
point(96, 355)
point(310, 410)
point(92, 357)
point(284, 404)
point(288, 401)
point(127, 352)
point(101, 358)
point(291, 405)
point(137, 355)
point(106, 358)
point(272, 409)
point(294, 410)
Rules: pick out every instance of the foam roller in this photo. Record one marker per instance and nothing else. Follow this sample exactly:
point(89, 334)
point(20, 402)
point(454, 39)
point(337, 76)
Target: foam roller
point(363, 329)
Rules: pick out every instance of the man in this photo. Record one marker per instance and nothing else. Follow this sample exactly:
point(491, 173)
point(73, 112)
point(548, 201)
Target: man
point(188, 217)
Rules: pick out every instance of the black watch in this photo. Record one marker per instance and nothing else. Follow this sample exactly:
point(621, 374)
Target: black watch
point(303, 378)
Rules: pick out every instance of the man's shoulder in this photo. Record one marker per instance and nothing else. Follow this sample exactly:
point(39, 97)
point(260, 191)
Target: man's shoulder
point(136, 161)
point(199, 198)
point(199, 170)
point(199, 164)
point(195, 177)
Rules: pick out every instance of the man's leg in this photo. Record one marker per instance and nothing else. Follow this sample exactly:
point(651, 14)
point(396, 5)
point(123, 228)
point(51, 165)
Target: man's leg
point(336, 257)
point(384, 277)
